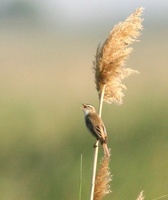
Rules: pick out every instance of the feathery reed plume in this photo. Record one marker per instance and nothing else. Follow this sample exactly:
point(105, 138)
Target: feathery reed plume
point(141, 197)
point(103, 177)
point(110, 58)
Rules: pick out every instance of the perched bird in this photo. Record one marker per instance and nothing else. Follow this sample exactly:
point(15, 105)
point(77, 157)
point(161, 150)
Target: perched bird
point(96, 126)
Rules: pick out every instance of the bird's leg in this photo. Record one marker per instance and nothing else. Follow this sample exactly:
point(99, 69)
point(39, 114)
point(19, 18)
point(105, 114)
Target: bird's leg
point(95, 145)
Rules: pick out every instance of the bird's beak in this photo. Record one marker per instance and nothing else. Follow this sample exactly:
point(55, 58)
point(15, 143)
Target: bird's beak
point(83, 106)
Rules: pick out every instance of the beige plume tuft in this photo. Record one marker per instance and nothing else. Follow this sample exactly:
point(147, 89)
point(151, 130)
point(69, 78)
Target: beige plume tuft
point(141, 196)
point(103, 177)
point(110, 58)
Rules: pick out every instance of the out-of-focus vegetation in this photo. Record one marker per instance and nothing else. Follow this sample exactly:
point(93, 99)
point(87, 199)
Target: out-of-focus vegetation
point(44, 77)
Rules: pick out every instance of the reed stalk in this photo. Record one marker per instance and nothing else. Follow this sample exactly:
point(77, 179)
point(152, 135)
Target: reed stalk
point(96, 149)
point(80, 181)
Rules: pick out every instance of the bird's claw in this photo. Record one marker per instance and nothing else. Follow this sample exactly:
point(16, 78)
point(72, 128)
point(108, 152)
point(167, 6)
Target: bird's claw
point(95, 145)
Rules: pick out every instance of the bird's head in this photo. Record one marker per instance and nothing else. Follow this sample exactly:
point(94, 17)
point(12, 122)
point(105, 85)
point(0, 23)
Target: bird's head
point(87, 108)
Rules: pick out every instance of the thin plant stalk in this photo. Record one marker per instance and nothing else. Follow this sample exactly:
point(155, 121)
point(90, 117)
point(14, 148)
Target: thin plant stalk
point(80, 181)
point(94, 170)
point(161, 197)
point(101, 101)
point(96, 149)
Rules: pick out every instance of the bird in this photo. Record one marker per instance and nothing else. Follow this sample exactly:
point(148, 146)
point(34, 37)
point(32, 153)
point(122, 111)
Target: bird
point(96, 126)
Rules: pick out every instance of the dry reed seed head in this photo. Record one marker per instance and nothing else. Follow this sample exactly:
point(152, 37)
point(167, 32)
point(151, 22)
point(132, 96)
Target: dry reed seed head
point(141, 197)
point(103, 177)
point(110, 58)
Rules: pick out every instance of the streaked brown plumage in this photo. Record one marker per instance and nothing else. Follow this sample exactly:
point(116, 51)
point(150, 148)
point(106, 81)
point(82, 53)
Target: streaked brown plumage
point(96, 126)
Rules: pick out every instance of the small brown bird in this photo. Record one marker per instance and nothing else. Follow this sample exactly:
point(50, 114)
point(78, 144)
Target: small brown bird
point(96, 126)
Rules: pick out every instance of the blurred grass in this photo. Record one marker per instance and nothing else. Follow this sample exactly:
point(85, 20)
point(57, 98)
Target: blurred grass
point(43, 79)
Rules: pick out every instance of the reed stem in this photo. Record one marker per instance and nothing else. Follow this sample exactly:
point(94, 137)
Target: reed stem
point(96, 148)
point(80, 181)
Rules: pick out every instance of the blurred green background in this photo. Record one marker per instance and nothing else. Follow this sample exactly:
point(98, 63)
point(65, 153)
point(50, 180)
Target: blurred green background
point(46, 54)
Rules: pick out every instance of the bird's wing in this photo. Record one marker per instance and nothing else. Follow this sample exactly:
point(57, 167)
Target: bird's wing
point(90, 127)
point(98, 130)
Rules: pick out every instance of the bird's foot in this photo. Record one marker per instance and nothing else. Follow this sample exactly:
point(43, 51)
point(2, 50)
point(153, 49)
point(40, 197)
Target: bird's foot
point(95, 145)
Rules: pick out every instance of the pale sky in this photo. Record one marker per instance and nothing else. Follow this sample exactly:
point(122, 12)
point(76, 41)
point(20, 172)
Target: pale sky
point(85, 12)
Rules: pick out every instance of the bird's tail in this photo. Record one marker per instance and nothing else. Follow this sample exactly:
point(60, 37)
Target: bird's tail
point(106, 150)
